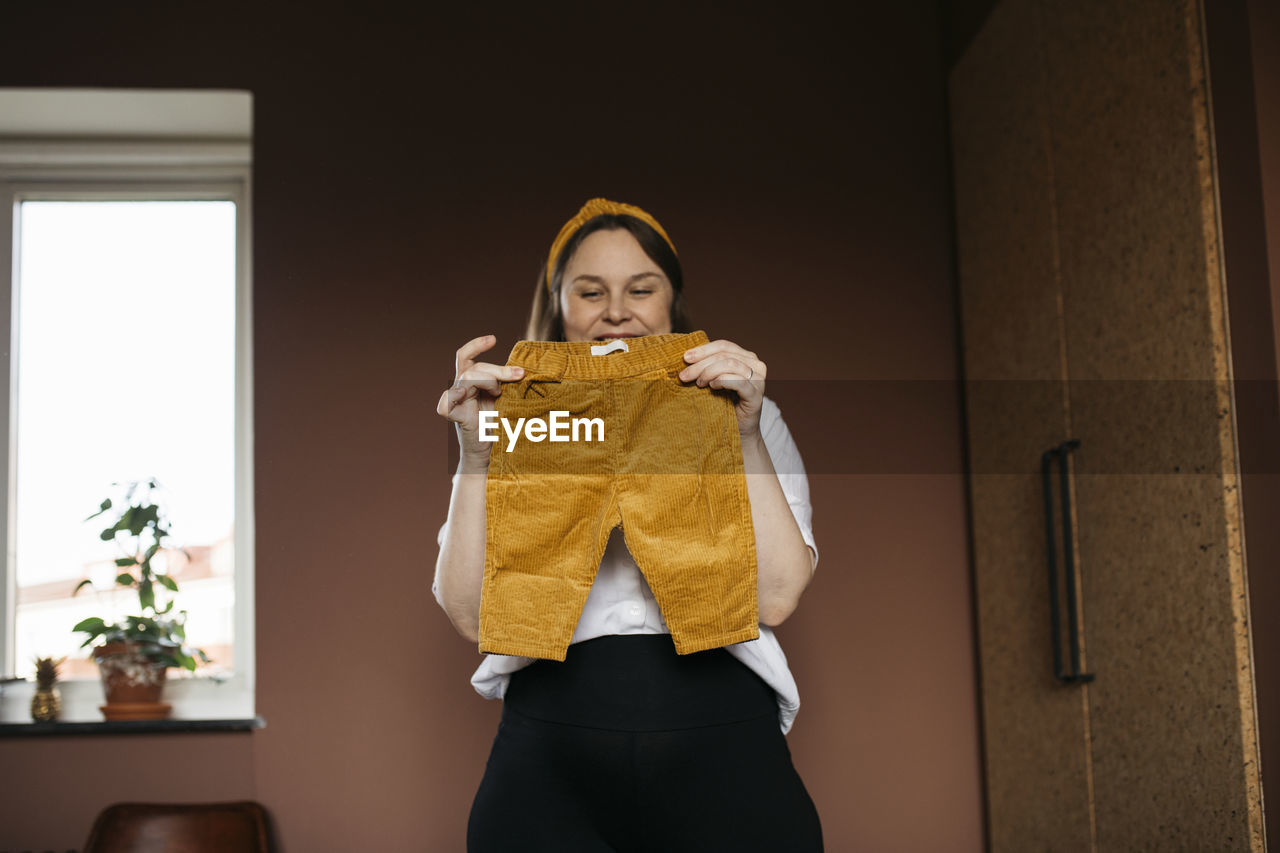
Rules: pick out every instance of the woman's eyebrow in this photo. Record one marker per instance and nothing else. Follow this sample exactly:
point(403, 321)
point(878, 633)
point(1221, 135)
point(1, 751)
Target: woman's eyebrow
point(599, 280)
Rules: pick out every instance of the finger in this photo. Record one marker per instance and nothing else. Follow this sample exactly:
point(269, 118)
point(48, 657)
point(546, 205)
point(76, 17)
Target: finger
point(739, 384)
point(703, 359)
point(457, 395)
point(482, 376)
point(466, 354)
point(485, 370)
point(454, 398)
point(704, 371)
point(468, 387)
point(715, 347)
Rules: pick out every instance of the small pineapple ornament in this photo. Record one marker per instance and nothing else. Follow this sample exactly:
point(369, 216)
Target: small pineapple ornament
point(46, 703)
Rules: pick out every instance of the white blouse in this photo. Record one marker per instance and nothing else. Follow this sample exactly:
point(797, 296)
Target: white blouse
point(620, 601)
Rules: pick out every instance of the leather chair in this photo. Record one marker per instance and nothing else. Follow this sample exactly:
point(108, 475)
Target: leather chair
point(238, 827)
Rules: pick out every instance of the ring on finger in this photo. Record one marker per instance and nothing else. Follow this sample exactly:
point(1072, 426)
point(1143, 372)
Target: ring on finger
point(752, 373)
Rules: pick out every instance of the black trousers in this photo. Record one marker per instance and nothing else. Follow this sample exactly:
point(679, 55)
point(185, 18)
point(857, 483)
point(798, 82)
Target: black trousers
point(627, 747)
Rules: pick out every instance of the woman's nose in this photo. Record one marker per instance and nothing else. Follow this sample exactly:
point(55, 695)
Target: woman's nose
point(618, 310)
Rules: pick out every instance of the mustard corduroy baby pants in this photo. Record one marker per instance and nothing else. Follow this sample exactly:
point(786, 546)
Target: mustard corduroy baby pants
point(663, 460)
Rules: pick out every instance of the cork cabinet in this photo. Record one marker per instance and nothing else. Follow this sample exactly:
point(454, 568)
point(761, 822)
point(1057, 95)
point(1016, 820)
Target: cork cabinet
point(1110, 575)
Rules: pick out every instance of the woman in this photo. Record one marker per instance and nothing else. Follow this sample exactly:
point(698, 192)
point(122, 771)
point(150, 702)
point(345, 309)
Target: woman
point(625, 745)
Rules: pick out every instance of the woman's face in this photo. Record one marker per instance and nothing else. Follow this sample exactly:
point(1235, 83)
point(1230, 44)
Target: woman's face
point(612, 289)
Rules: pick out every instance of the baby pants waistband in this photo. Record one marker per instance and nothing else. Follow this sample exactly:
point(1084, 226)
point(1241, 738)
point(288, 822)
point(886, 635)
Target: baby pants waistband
point(574, 359)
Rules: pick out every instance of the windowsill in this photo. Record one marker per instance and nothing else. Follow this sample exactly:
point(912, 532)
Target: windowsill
point(193, 700)
point(118, 727)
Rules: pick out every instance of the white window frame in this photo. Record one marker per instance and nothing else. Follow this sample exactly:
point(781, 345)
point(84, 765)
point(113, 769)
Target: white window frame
point(121, 145)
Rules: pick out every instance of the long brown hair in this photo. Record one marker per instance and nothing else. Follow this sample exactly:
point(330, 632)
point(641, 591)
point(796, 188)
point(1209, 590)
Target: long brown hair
point(545, 320)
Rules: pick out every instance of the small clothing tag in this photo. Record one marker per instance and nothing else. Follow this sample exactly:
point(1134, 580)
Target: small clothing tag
point(618, 345)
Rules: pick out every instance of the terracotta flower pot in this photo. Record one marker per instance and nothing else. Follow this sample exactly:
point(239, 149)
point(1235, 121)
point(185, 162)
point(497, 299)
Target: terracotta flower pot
point(132, 684)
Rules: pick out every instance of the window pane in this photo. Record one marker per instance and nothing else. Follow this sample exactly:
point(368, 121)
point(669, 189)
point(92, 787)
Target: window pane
point(126, 371)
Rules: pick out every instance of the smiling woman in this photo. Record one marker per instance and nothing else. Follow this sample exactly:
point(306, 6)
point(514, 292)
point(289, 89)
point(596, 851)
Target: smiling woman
point(655, 644)
point(605, 300)
point(625, 256)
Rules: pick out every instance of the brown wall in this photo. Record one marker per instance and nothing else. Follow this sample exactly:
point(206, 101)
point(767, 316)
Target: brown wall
point(410, 170)
point(1264, 23)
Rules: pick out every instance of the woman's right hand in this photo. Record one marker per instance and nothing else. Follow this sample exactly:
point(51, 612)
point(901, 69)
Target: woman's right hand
point(476, 385)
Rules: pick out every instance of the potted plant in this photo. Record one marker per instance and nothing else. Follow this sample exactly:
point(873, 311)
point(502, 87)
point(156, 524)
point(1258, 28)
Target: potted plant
point(135, 652)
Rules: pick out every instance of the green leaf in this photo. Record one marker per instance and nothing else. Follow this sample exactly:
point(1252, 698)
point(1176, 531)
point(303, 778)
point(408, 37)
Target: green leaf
point(168, 582)
point(167, 607)
point(106, 505)
point(81, 585)
point(147, 595)
point(93, 624)
point(126, 562)
point(140, 517)
point(125, 579)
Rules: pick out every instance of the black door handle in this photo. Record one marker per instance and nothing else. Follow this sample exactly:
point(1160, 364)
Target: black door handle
point(1075, 676)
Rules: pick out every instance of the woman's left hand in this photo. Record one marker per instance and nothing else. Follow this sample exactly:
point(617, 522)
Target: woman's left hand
point(724, 364)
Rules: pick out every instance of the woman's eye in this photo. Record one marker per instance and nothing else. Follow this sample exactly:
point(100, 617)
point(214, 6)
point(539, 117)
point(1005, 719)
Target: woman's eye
point(589, 294)
point(641, 291)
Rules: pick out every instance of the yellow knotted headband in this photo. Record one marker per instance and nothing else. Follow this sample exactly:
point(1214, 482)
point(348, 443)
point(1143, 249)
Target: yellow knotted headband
point(590, 210)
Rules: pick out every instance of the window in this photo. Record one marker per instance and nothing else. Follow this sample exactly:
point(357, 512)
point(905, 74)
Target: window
point(126, 223)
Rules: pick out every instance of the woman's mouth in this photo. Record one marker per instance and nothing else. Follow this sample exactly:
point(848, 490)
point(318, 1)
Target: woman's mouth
point(614, 337)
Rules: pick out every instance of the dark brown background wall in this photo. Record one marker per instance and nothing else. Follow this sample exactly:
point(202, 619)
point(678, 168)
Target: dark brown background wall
point(411, 169)
point(1264, 24)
